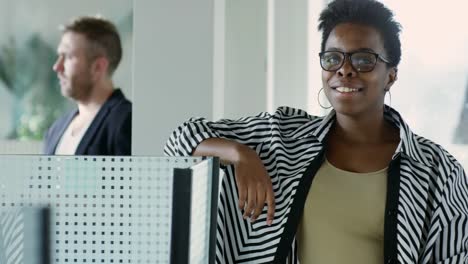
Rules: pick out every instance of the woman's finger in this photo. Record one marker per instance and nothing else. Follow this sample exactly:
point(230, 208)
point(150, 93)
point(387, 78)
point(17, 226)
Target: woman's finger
point(242, 196)
point(270, 200)
point(260, 203)
point(251, 201)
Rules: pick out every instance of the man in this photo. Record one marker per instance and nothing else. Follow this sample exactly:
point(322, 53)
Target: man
point(88, 54)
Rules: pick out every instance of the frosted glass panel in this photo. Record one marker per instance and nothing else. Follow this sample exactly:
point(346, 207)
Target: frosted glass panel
point(107, 209)
point(24, 237)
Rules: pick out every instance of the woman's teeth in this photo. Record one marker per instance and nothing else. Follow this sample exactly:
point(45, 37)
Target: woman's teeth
point(346, 90)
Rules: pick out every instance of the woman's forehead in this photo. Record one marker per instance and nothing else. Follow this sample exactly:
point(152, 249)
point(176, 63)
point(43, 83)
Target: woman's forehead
point(351, 37)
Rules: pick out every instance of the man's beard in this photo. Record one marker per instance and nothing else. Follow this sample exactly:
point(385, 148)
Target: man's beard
point(80, 89)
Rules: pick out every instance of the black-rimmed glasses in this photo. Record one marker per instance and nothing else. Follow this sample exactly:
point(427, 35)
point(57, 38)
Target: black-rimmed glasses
point(361, 61)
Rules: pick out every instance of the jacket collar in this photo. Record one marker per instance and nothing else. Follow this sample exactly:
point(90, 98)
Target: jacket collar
point(409, 144)
point(100, 117)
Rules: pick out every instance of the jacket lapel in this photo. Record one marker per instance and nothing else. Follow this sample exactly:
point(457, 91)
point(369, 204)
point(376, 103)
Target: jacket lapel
point(97, 122)
point(297, 207)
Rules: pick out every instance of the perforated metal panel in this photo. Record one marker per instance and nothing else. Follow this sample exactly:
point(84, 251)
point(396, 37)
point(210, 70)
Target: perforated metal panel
point(201, 222)
point(107, 209)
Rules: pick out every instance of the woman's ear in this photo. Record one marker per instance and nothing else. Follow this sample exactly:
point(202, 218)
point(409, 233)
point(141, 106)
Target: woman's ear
point(392, 77)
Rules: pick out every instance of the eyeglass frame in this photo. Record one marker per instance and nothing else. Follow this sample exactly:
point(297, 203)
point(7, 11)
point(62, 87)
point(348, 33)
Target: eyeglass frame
point(348, 55)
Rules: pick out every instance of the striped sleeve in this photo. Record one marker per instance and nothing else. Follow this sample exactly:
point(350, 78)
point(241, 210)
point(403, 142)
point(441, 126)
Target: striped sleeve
point(451, 245)
point(250, 131)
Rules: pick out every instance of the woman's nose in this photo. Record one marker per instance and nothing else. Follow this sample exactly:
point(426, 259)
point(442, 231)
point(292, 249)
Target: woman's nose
point(347, 69)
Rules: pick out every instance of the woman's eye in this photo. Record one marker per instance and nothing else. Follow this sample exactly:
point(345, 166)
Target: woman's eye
point(332, 60)
point(363, 61)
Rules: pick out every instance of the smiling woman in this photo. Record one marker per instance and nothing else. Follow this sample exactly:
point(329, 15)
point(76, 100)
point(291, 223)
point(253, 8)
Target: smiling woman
point(355, 186)
point(367, 77)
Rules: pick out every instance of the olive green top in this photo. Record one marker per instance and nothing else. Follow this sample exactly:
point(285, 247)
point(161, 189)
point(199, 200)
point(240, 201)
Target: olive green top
point(343, 219)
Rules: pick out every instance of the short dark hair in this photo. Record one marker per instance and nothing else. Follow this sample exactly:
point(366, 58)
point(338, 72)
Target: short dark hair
point(102, 35)
point(366, 12)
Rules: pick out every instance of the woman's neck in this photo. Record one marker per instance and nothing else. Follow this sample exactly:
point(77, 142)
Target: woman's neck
point(371, 129)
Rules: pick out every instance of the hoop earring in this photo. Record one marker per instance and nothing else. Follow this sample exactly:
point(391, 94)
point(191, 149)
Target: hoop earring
point(318, 99)
point(387, 91)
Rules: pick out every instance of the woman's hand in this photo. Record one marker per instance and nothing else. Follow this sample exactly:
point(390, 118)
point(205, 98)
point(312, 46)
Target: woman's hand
point(252, 179)
point(254, 185)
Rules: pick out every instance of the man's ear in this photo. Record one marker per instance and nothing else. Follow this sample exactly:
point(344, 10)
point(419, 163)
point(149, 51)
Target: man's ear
point(392, 77)
point(100, 66)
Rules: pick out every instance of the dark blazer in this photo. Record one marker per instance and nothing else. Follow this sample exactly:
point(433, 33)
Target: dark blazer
point(110, 133)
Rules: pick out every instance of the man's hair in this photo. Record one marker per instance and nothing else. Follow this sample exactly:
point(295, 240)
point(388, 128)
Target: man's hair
point(102, 36)
point(366, 12)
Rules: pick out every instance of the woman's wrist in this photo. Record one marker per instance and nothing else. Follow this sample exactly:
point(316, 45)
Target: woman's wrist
point(242, 153)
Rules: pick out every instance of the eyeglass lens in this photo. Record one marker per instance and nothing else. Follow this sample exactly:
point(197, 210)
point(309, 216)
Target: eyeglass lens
point(361, 61)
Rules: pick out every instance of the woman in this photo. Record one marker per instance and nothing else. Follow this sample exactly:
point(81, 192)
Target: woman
point(356, 186)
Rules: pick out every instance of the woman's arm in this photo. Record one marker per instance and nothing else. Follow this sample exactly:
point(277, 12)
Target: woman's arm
point(253, 181)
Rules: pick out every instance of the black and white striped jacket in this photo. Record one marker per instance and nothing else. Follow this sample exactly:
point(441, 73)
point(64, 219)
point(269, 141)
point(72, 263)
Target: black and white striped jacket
point(426, 217)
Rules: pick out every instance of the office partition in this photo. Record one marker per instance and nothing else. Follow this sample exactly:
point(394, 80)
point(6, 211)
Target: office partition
point(117, 209)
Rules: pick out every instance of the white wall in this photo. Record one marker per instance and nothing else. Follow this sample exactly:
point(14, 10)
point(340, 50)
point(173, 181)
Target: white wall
point(433, 72)
point(195, 67)
point(314, 71)
point(245, 57)
point(210, 59)
point(290, 53)
point(173, 68)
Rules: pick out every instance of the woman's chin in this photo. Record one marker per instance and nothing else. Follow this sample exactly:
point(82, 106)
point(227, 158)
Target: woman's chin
point(347, 109)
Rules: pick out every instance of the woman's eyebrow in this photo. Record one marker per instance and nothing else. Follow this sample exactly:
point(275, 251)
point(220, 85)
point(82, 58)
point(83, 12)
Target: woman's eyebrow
point(365, 49)
point(355, 50)
point(333, 49)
